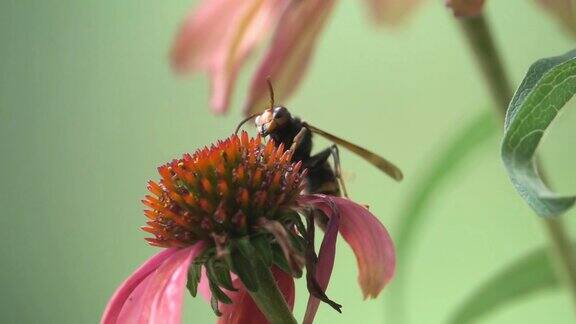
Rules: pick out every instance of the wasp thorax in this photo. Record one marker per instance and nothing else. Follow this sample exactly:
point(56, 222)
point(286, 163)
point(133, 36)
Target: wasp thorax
point(221, 192)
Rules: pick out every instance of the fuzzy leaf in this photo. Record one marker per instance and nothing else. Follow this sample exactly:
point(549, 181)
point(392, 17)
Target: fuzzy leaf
point(547, 87)
point(527, 276)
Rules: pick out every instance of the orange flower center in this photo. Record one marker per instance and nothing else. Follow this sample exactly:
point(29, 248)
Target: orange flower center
point(220, 191)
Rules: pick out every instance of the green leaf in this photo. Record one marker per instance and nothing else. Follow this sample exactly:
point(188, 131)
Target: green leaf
point(295, 218)
point(279, 260)
point(219, 272)
point(547, 87)
point(452, 156)
point(194, 272)
point(240, 261)
point(527, 276)
point(262, 245)
point(214, 305)
point(218, 293)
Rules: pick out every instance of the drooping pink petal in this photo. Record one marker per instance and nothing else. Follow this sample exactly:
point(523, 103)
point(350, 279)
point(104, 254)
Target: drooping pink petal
point(465, 8)
point(219, 36)
point(326, 254)
point(243, 309)
point(371, 244)
point(201, 36)
point(290, 51)
point(563, 10)
point(390, 11)
point(369, 240)
point(155, 297)
point(119, 298)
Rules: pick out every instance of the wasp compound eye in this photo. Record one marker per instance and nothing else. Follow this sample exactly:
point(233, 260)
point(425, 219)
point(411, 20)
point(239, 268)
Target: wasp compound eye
point(281, 112)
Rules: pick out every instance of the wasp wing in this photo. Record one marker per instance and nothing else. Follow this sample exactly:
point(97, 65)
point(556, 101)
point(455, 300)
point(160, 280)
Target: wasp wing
point(376, 160)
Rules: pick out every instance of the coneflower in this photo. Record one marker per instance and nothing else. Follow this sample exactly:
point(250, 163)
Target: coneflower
point(230, 220)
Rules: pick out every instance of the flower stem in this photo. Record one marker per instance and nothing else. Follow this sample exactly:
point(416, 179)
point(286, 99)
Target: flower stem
point(482, 43)
point(269, 298)
point(563, 253)
point(480, 39)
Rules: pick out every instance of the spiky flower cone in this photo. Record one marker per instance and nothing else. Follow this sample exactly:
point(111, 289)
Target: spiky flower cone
point(221, 191)
point(235, 196)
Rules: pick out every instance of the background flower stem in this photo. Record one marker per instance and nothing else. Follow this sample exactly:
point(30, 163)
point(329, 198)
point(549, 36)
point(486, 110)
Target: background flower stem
point(268, 296)
point(479, 37)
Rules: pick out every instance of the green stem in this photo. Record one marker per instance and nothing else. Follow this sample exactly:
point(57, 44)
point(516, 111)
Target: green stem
point(482, 43)
point(563, 253)
point(480, 39)
point(269, 298)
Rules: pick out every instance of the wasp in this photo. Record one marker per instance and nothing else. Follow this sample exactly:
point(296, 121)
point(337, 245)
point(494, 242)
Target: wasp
point(277, 123)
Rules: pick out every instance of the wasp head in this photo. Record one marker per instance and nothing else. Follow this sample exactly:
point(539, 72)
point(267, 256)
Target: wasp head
point(272, 119)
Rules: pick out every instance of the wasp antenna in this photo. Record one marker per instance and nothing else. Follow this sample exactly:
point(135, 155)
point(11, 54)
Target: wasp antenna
point(271, 90)
point(244, 121)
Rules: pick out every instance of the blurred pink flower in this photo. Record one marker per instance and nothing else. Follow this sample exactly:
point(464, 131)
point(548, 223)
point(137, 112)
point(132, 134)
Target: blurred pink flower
point(218, 36)
point(563, 10)
point(465, 8)
point(200, 224)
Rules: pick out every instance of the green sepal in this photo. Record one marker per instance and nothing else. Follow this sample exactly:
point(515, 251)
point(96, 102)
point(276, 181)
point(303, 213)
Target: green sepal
point(240, 261)
point(214, 305)
point(262, 245)
point(194, 272)
point(294, 218)
point(219, 272)
point(218, 293)
point(298, 242)
point(280, 261)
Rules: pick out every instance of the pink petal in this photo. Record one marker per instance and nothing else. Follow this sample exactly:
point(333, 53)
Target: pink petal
point(326, 254)
point(563, 10)
point(368, 239)
point(290, 51)
point(243, 309)
point(201, 35)
point(129, 285)
point(465, 8)
point(219, 36)
point(390, 11)
point(154, 295)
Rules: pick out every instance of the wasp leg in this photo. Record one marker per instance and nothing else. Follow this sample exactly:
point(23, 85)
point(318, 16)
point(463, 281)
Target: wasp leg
point(298, 139)
point(321, 158)
point(338, 168)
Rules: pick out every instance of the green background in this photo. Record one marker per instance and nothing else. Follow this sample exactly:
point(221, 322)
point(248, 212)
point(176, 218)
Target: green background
point(89, 108)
